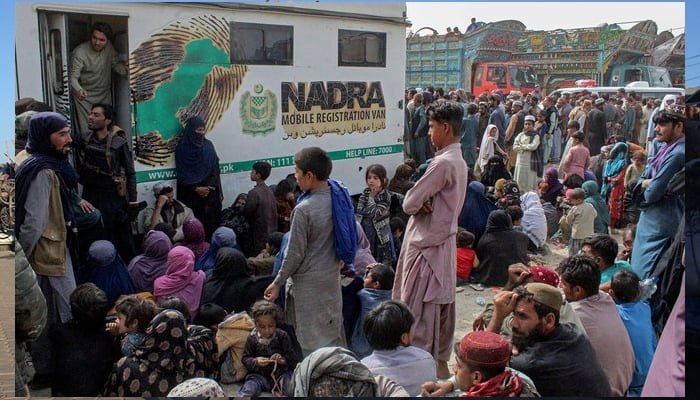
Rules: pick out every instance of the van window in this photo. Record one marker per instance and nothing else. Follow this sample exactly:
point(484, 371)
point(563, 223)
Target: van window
point(634, 75)
point(361, 48)
point(261, 44)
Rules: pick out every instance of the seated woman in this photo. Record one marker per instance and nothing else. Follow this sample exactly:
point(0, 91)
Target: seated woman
point(162, 362)
point(593, 197)
point(145, 268)
point(534, 223)
point(554, 188)
point(226, 286)
point(76, 342)
point(500, 247)
point(494, 170)
point(181, 279)
point(476, 209)
point(222, 237)
point(193, 231)
point(106, 269)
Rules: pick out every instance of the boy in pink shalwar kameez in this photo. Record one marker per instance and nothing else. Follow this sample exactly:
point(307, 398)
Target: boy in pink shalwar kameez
point(426, 271)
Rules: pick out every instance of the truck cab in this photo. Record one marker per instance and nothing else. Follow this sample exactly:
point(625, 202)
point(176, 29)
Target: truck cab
point(506, 76)
point(621, 75)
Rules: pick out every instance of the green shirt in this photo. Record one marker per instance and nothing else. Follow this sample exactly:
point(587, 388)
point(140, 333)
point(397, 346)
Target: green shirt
point(608, 273)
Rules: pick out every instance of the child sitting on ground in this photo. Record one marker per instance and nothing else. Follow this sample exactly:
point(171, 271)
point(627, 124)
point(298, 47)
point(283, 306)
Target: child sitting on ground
point(581, 218)
point(466, 256)
point(378, 283)
point(516, 215)
point(268, 354)
point(389, 331)
point(636, 315)
point(133, 316)
point(263, 263)
point(210, 315)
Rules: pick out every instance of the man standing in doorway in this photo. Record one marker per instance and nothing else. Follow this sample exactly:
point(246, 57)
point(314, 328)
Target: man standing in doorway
point(426, 271)
point(106, 172)
point(90, 73)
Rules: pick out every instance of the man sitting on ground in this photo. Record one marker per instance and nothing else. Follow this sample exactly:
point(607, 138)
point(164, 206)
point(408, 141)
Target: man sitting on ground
point(165, 209)
point(602, 249)
point(580, 277)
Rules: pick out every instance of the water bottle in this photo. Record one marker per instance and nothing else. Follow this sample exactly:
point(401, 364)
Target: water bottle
point(648, 287)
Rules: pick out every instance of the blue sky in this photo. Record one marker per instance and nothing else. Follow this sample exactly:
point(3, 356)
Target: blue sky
point(7, 76)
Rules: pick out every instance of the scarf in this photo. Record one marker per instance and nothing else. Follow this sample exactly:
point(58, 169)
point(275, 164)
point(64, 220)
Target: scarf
point(363, 256)
point(107, 270)
point(534, 222)
point(543, 274)
point(222, 237)
point(193, 237)
point(505, 384)
point(195, 156)
point(181, 280)
point(475, 211)
point(552, 179)
point(499, 221)
point(659, 158)
point(617, 161)
point(494, 171)
point(43, 156)
point(333, 362)
point(153, 263)
point(487, 148)
point(593, 197)
point(227, 282)
point(344, 222)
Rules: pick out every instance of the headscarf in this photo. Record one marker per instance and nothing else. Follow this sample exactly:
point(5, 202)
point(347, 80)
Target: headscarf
point(486, 150)
point(552, 179)
point(663, 105)
point(338, 364)
point(222, 237)
point(193, 237)
point(594, 198)
point(181, 280)
point(107, 270)
point(475, 210)
point(226, 285)
point(198, 387)
point(41, 126)
point(145, 268)
point(498, 187)
point(195, 156)
point(494, 171)
point(161, 362)
point(542, 274)
point(499, 221)
point(534, 222)
point(613, 166)
point(363, 256)
point(511, 195)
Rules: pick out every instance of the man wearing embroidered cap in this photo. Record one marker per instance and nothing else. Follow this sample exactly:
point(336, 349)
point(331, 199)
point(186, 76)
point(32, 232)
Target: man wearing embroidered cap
point(555, 355)
point(481, 360)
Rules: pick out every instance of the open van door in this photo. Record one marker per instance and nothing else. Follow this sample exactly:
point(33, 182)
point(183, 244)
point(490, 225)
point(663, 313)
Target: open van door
point(54, 59)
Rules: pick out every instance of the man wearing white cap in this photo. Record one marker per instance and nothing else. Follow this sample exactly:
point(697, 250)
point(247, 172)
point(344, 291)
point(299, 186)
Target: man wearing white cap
point(166, 209)
point(525, 146)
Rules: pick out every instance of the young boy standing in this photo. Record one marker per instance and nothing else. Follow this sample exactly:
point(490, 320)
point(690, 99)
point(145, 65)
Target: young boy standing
point(581, 218)
point(260, 208)
point(310, 269)
point(426, 274)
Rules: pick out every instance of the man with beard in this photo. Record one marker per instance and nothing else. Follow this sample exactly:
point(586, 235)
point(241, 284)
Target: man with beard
point(483, 119)
point(106, 171)
point(45, 223)
point(579, 280)
point(166, 209)
point(557, 357)
point(515, 126)
point(598, 133)
point(610, 112)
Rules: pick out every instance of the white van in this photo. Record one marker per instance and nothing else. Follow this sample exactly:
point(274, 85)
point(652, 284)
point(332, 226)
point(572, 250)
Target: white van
point(640, 88)
point(268, 78)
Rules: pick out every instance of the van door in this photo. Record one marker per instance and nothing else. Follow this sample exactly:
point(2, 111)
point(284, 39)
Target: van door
point(54, 58)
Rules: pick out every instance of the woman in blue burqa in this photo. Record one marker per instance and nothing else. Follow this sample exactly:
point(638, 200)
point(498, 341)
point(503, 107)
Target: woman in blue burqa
point(475, 211)
point(198, 179)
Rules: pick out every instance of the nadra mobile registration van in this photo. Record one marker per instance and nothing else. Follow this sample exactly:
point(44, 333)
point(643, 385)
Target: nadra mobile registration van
point(268, 78)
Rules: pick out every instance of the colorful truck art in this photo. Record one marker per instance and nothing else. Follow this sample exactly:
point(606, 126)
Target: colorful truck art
point(182, 70)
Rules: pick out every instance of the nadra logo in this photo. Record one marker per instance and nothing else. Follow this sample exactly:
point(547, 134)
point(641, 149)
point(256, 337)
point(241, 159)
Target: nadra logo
point(258, 111)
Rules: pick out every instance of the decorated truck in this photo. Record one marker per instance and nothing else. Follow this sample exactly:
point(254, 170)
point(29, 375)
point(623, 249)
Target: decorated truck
point(268, 79)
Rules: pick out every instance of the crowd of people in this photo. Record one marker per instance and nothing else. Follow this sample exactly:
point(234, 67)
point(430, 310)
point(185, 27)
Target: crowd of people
point(300, 289)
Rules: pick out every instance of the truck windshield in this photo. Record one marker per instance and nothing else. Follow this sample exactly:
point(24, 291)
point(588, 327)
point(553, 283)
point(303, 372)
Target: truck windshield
point(659, 77)
point(522, 76)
